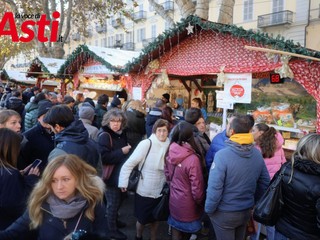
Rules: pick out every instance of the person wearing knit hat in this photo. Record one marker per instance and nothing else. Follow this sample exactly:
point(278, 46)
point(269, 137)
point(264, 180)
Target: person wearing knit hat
point(86, 115)
point(115, 103)
point(44, 106)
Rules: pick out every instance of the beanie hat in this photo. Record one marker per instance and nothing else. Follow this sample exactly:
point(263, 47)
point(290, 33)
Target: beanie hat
point(179, 101)
point(43, 107)
point(86, 112)
point(115, 101)
point(166, 96)
point(192, 115)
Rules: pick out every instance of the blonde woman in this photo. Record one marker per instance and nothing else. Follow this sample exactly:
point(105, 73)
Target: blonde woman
point(67, 200)
point(300, 216)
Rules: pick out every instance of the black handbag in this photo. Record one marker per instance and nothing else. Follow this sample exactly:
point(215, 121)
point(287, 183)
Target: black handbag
point(161, 212)
point(268, 208)
point(136, 174)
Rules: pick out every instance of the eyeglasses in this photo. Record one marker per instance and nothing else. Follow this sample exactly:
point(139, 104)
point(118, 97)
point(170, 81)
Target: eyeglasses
point(115, 121)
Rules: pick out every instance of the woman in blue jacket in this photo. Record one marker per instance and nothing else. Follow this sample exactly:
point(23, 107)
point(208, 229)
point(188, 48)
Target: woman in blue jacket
point(68, 200)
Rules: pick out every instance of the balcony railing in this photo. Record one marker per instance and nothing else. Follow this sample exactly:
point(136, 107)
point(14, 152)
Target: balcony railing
point(273, 19)
point(117, 22)
point(147, 41)
point(101, 28)
point(140, 15)
point(168, 5)
point(128, 46)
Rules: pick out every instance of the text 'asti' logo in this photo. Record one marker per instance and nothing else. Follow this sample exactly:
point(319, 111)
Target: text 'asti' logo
point(8, 27)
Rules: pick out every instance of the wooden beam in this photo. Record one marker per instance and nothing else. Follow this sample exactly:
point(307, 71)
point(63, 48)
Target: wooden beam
point(197, 84)
point(268, 50)
point(186, 86)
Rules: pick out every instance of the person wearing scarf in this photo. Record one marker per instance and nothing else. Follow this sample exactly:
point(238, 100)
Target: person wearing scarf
point(67, 200)
point(238, 177)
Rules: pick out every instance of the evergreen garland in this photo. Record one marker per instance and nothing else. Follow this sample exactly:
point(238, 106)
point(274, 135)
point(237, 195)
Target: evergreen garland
point(278, 43)
point(83, 49)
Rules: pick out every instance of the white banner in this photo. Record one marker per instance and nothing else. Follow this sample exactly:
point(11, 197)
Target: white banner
point(238, 87)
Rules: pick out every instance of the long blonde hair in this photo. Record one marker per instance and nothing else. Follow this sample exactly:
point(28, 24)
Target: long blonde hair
point(89, 186)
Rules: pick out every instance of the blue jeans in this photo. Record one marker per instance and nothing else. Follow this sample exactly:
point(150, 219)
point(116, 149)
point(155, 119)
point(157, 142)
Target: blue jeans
point(230, 225)
point(270, 233)
point(279, 236)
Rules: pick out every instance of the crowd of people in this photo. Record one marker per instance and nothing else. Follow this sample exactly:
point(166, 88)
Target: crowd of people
point(214, 185)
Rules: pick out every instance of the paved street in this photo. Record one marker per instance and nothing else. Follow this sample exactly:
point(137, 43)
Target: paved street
point(126, 215)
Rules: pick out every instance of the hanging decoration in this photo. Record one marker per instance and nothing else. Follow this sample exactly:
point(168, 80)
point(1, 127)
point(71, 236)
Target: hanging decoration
point(221, 77)
point(189, 29)
point(284, 70)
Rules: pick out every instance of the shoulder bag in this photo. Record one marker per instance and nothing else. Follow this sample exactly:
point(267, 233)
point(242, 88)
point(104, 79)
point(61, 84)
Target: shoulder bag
point(268, 208)
point(136, 174)
point(107, 169)
point(161, 212)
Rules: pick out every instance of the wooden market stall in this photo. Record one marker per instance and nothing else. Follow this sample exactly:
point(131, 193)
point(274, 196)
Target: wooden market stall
point(44, 70)
point(96, 69)
point(20, 79)
point(196, 52)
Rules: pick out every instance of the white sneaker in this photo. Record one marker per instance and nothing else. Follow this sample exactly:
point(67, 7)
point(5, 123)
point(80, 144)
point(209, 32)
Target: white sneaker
point(193, 237)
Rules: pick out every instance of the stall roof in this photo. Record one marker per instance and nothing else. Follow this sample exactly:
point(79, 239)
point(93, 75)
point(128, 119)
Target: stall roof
point(16, 77)
point(192, 27)
point(41, 65)
point(114, 59)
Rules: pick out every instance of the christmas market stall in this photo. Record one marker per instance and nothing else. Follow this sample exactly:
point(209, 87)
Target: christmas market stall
point(96, 69)
point(197, 58)
point(44, 70)
point(20, 79)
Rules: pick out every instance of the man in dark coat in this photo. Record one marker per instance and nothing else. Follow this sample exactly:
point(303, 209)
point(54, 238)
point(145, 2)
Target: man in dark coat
point(39, 138)
point(71, 136)
point(154, 115)
point(100, 110)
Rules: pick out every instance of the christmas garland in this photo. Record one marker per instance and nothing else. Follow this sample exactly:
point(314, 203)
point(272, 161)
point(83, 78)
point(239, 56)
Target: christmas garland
point(278, 43)
point(80, 50)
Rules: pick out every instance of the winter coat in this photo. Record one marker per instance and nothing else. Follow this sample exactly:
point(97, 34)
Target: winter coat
point(14, 192)
point(31, 115)
point(99, 112)
point(92, 130)
point(54, 228)
point(135, 127)
point(153, 170)
point(38, 145)
point(152, 117)
point(274, 163)
point(218, 143)
point(74, 139)
point(187, 193)
point(300, 216)
point(238, 177)
point(110, 147)
point(200, 140)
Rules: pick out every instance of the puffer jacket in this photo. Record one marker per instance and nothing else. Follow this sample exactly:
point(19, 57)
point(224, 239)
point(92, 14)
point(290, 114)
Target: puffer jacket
point(187, 193)
point(31, 116)
point(300, 216)
point(274, 163)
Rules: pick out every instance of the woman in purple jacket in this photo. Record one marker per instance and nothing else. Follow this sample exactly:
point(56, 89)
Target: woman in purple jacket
point(183, 169)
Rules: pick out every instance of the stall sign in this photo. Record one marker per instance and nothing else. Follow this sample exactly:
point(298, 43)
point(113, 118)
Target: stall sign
point(97, 69)
point(237, 88)
point(137, 93)
point(275, 78)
